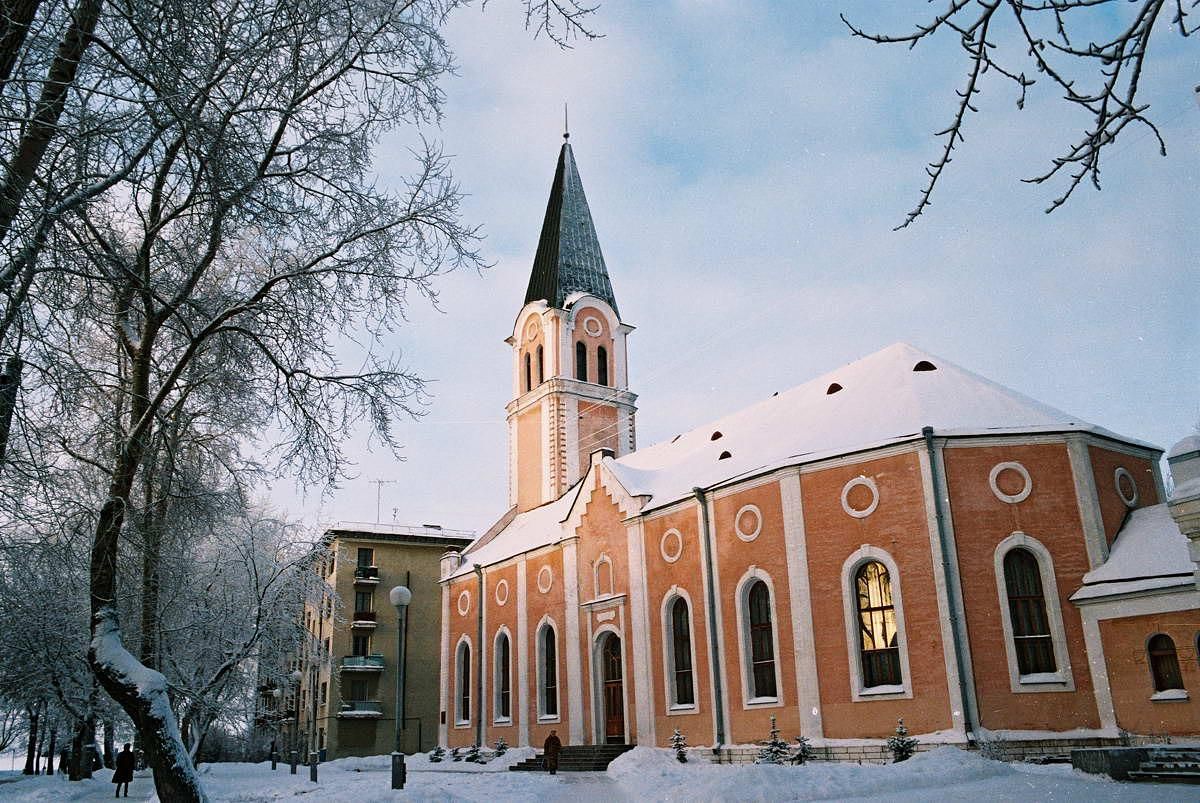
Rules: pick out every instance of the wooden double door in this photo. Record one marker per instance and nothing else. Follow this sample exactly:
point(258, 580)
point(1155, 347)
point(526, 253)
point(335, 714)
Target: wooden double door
point(613, 694)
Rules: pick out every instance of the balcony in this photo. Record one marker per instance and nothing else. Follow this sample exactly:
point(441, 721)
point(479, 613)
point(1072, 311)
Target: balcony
point(363, 663)
point(363, 619)
point(366, 575)
point(361, 709)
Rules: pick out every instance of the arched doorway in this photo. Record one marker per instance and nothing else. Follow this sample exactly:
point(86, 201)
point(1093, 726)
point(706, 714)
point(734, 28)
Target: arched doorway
point(612, 689)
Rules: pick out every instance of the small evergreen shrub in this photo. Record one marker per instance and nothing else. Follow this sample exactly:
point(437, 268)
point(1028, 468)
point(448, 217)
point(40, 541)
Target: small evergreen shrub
point(474, 755)
point(437, 754)
point(803, 752)
point(501, 746)
point(901, 744)
point(775, 751)
point(456, 754)
point(679, 745)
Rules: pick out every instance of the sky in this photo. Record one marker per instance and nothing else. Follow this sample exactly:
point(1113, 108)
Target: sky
point(745, 164)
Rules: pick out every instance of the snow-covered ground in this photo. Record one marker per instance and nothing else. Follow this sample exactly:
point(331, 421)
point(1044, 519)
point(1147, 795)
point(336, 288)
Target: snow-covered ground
point(644, 774)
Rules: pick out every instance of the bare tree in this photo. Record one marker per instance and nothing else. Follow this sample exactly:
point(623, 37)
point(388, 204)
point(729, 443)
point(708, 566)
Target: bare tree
point(1055, 40)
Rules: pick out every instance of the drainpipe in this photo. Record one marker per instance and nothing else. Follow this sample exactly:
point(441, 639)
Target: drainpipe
point(952, 590)
point(479, 708)
point(713, 651)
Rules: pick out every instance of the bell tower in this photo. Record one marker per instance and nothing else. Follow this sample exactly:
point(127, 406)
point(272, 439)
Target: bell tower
point(570, 367)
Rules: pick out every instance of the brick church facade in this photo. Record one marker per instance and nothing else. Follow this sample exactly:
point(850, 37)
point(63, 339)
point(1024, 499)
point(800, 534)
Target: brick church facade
point(897, 538)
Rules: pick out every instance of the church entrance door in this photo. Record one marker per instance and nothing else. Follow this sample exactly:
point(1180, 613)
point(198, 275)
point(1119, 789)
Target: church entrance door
point(614, 690)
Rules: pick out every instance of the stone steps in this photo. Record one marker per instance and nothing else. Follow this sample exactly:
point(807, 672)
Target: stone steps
point(1179, 765)
point(577, 758)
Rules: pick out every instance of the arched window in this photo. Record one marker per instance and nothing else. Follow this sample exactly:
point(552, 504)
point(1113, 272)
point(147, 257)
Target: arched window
point(503, 703)
point(462, 712)
point(1164, 663)
point(528, 374)
point(548, 672)
point(602, 365)
point(680, 641)
point(581, 361)
point(541, 366)
point(1027, 611)
point(879, 648)
point(762, 640)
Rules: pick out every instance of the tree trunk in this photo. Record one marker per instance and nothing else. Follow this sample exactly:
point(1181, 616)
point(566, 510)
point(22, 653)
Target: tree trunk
point(110, 759)
point(31, 742)
point(51, 750)
point(76, 769)
point(39, 742)
point(14, 25)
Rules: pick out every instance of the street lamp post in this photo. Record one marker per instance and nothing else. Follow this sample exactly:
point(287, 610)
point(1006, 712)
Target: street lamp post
point(296, 676)
point(400, 597)
point(277, 693)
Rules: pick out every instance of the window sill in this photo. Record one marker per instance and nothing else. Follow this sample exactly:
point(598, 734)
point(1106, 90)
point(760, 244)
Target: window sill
point(502, 721)
point(674, 710)
point(463, 723)
point(1169, 695)
point(543, 718)
point(762, 702)
point(1042, 679)
point(883, 691)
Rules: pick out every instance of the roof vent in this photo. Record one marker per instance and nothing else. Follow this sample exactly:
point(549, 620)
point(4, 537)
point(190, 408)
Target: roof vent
point(725, 456)
point(716, 436)
point(832, 389)
point(924, 365)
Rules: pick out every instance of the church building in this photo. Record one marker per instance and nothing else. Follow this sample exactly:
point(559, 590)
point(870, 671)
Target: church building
point(900, 538)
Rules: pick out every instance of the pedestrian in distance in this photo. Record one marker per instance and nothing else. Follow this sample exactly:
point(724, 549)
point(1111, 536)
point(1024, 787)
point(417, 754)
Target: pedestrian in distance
point(550, 752)
point(124, 771)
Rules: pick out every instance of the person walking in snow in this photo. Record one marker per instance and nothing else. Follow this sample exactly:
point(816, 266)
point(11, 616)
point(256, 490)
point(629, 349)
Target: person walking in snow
point(550, 752)
point(124, 772)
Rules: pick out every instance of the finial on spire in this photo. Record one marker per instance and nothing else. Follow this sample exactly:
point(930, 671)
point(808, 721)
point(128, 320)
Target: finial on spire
point(566, 126)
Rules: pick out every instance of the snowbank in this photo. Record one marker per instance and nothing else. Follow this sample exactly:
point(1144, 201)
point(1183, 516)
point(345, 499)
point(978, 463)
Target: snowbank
point(421, 763)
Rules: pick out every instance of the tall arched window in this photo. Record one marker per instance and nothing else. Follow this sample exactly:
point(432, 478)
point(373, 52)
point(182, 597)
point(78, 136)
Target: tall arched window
point(581, 361)
point(762, 640)
point(680, 640)
point(1164, 663)
point(879, 648)
point(548, 672)
point(602, 365)
point(503, 703)
point(528, 374)
point(541, 366)
point(1027, 610)
point(462, 709)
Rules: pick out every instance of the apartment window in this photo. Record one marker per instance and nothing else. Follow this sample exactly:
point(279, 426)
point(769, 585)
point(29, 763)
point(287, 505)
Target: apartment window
point(762, 640)
point(360, 645)
point(680, 640)
point(359, 689)
point(462, 700)
point(602, 365)
point(548, 671)
point(581, 361)
point(1164, 663)
point(503, 682)
point(364, 600)
point(879, 647)
point(1027, 613)
point(366, 557)
point(324, 692)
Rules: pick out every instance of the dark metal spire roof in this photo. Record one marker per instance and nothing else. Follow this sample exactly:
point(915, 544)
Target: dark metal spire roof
point(568, 258)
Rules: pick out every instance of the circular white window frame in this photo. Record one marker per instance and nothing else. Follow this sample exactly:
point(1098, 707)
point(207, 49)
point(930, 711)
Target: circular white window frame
point(532, 330)
point(1021, 495)
point(592, 326)
point(867, 483)
point(662, 545)
point(737, 523)
point(501, 586)
point(1130, 501)
point(464, 602)
point(545, 579)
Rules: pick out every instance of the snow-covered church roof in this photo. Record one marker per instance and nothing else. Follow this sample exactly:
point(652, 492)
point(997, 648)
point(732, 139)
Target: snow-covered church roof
point(1149, 553)
point(884, 398)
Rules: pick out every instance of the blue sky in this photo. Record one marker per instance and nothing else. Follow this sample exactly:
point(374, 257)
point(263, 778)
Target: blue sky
point(745, 164)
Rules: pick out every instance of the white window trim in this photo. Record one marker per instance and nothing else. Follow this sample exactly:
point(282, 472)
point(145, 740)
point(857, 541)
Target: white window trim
point(542, 716)
point(668, 652)
point(496, 718)
point(1062, 679)
point(859, 692)
point(743, 626)
point(600, 561)
point(461, 721)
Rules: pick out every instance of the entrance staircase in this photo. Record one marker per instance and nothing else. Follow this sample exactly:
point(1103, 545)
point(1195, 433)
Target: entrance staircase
point(1173, 765)
point(577, 758)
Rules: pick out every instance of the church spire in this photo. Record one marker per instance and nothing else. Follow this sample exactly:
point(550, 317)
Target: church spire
point(568, 258)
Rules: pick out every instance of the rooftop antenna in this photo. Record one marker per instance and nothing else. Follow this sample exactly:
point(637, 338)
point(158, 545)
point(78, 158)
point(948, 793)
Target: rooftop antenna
point(566, 126)
point(379, 494)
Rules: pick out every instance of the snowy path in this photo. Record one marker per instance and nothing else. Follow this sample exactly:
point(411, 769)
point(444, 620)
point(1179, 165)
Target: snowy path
point(645, 775)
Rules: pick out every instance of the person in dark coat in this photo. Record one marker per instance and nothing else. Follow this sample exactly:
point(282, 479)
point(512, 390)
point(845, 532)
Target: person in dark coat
point(124, 772)
point(550, 750)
